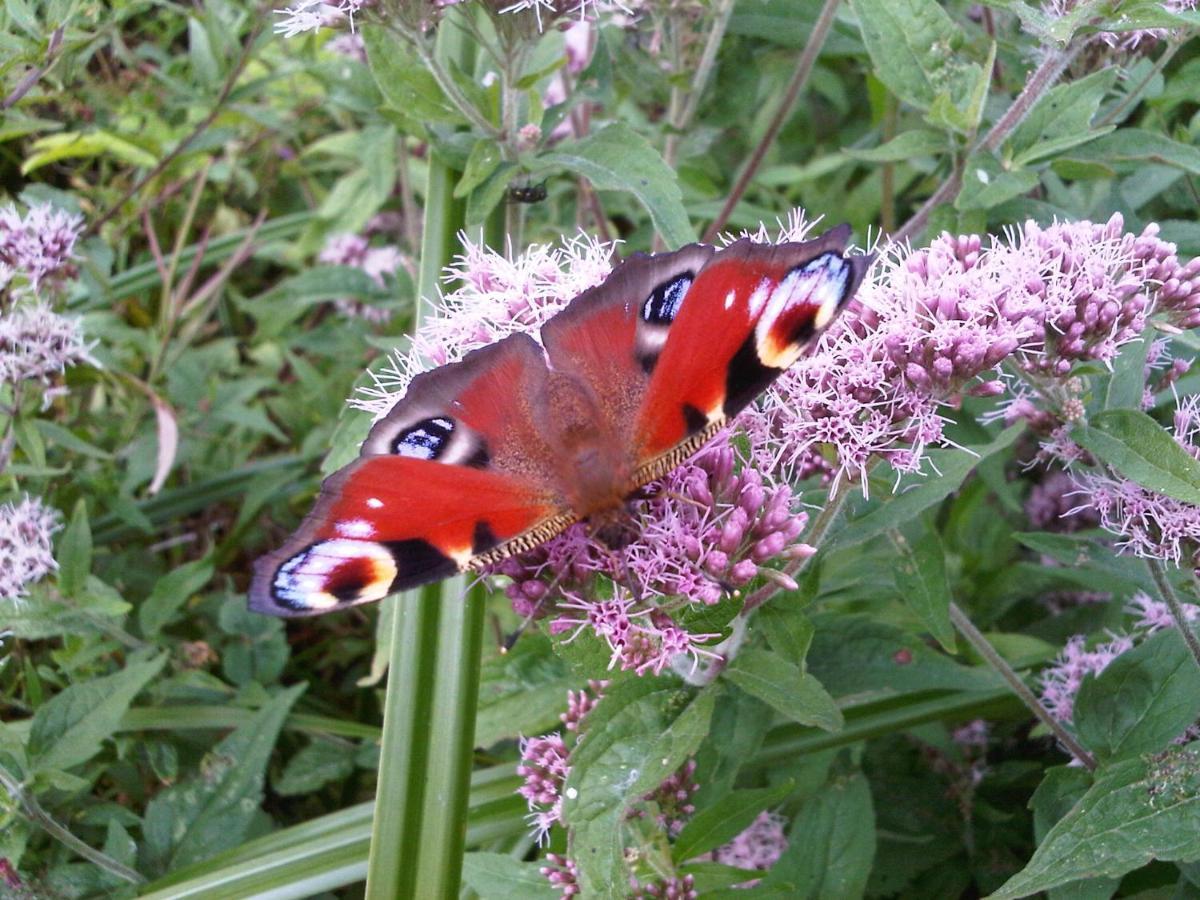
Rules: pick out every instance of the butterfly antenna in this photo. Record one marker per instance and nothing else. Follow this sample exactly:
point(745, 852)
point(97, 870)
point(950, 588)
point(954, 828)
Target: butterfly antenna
point(631, 580)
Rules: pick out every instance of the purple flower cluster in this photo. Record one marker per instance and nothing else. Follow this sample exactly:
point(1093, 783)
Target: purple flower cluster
point(935, 323)
point(26, 529)
point(377, 262)
point(38, 245)
point(311, 15)
point(37, 343)
point(1124, 40)
point(758, 846)
point(562, 873)
point(1061, 681)
point(1147, 524)
point(545, 767)
point(1053, 505)
point(669, 888)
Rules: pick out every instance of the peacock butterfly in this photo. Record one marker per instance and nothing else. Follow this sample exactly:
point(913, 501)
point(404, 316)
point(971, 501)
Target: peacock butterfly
point(493, 455)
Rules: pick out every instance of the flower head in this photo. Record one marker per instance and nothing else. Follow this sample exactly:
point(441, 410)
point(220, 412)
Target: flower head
point(1061, 681)
point(37, 343)
point(26, 529)
point(758, 846)
point(38, 245)
point(311, 15)
point(377, 262)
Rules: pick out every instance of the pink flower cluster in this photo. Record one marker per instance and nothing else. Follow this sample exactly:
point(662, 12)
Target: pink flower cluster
point(935, 323)
point(545, 766)
point(26, 529)
point(758, 846)
point(311, 15)
point(37, 343)
point(1147, 524)
point(38, 245)
point(1062, 680)
point(355, 250)
point(1124, 40)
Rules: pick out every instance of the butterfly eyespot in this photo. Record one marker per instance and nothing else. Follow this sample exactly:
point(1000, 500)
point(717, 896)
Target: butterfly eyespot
point(426, 439)
point(330, 573)
point(662, 306)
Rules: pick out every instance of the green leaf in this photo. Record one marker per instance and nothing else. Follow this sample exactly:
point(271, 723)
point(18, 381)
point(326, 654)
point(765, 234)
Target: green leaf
point(788, 630)
point(1137, 145)
point(1137, 811)
point(987, 182)
point(72, 145)
point(1141, 450)
point(497, 876)
point(1065, 112)
point(314, 767)
point(406, 84)
point(617, 158)
point(1128, 379)
point(919, 493)
point(775, 681)
point(921, 581)
point(1142, 701)
point(170, 593)
point(719, 824)
point(68, 729)
point(635, 737)
point(522, 691)
point(212, 811)
point(75, 553)
point(860, 658)
point(904, 146)
point(832, 843)
point(916, 50)
point(483, 161)
point(487, 195)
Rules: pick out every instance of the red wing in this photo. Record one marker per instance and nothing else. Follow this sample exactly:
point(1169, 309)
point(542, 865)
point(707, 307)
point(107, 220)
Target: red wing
point(749, 315)
point(387, 523)
point(454, 476)
point(610, 337)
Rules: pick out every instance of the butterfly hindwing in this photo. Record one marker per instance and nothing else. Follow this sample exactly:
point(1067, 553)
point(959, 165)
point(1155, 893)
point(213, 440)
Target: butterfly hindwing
point(750, 313)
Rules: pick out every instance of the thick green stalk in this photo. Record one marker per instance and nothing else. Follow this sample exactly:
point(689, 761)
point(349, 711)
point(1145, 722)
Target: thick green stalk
point(419, 826)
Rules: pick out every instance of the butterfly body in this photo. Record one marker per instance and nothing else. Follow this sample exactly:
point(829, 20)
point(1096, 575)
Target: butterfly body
point(495, 454)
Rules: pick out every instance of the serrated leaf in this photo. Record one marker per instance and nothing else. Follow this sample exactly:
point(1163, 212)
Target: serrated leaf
point(211, 811)
point(641, 735)
point(1139, 145)
point(775, 681)
point(75, 553)
point(915, 49)
point(921, 580)
point(617, 158)
point(497, 876)
point(1141, 450)
point(831, 845)
point(730, 816)
point(1137, 810)
point(69, 728)
point(405, 83)
point(1142, 701)
point(170, 593)
point(1064, 112)
point(788, 630)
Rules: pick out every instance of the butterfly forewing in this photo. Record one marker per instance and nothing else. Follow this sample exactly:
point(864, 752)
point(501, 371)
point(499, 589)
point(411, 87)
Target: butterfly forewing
point(751, 312)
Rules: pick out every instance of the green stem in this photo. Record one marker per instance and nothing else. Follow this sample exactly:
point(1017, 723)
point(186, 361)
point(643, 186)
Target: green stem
point(804, 66)
point(975, 638)
point(38, 816)
point(1167, 591)
point(419, 827)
